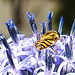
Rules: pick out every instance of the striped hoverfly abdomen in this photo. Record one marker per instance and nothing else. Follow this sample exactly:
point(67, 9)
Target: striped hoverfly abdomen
point(47, 40)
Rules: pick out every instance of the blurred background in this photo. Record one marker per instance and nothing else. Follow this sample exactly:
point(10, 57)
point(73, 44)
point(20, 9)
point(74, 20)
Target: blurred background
point(17, 10)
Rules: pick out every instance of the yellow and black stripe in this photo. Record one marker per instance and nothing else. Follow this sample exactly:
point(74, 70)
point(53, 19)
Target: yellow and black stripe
point(48, 39)
point(43, 45)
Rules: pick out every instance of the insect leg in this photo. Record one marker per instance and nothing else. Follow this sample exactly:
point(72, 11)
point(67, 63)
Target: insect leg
point(54, 50)
point(32, 46)
point(53, 56)
point(60, 39)
point(55, 46)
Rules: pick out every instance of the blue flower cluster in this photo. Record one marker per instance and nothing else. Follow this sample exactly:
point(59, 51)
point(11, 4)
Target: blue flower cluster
point(19, 55)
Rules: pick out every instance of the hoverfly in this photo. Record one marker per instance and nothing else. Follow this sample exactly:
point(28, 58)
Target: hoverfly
point(48, 40)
